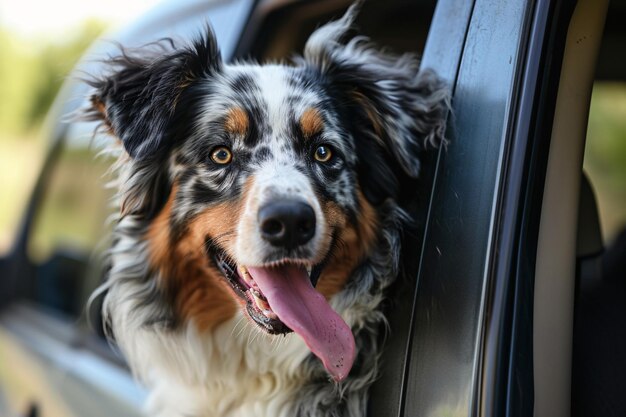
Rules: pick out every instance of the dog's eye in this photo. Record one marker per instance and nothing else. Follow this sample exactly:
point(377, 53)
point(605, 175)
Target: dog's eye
point(221, 155)
point(323, 153)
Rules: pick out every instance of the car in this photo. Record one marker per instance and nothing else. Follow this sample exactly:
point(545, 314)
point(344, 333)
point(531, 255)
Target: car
point(507, 233)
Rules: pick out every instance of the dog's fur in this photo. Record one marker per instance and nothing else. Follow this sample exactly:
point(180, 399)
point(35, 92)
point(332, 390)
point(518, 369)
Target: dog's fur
point(182, 328)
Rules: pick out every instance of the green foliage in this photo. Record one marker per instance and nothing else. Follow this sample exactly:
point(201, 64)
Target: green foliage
point(605, 154)
point(607, 131)
point(17, 71)
point(31, 73)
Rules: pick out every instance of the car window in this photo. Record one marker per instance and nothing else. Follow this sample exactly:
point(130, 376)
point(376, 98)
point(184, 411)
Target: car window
point(16, 184)
point(71, 229)
point(74, 207)
point(285, 30)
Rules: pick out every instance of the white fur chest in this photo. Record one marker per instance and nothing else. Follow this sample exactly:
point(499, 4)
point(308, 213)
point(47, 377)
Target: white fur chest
point(234, 371)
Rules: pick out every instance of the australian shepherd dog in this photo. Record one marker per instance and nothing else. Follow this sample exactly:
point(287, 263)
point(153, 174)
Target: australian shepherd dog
point(259, 223)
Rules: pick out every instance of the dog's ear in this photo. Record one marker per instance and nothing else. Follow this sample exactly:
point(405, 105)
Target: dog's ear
point(137, 96)
point(404, 107)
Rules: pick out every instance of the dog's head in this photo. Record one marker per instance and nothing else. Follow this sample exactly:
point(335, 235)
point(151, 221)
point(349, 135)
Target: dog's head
point(260, 185)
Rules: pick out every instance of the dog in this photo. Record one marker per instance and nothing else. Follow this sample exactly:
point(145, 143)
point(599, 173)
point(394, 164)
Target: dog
point(259, 225)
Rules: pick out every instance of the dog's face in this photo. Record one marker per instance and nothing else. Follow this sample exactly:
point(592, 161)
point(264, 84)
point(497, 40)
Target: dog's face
point(260, 186)
point(267, 145)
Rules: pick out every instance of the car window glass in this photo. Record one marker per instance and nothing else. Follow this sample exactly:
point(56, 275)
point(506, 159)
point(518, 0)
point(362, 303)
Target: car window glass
point(16, 183)
point(71, 228)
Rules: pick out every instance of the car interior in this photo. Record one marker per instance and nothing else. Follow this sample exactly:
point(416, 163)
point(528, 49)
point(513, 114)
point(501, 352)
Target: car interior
point(599, 337)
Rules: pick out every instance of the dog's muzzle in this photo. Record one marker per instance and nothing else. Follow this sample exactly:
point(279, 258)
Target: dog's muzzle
point(282, 245)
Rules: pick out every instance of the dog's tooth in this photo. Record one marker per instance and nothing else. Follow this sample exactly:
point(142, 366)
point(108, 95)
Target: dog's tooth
point(260, 303)
point(245, 275)
point(309, 269)
point(270, 314)
point(257, 292)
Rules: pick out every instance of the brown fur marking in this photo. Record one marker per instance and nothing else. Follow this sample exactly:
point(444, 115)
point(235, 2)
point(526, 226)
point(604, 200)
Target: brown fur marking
point(237, 121)
point(98, 104)
point(103, 114)
point(372, 113)
point(198, 289)
point(311, 122)
point(354, 244)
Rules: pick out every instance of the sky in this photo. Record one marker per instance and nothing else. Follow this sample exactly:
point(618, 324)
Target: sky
point(32, 18)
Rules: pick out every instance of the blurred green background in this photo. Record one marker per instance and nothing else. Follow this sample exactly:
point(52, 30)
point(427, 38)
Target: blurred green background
point(32, 70)
point(605, 155)
point(40, 42)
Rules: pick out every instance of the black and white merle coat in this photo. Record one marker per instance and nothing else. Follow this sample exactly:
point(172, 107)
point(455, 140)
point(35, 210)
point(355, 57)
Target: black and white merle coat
point(206, 145)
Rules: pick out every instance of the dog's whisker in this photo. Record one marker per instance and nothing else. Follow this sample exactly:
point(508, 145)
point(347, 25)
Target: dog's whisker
point(251, 336)
point(235, 327)
point(243, 329)
point(228, 233)
point(278, 343)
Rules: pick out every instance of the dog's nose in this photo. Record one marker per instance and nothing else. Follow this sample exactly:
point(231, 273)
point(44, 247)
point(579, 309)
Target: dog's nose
point(287, 223)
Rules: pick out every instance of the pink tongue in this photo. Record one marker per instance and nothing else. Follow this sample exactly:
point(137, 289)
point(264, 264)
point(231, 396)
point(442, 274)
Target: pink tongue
point(292, 297)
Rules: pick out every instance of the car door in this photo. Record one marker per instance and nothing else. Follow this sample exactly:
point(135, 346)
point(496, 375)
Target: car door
point(491, 315)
